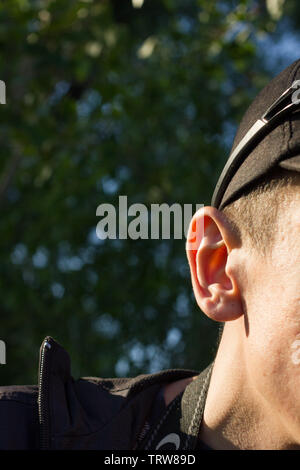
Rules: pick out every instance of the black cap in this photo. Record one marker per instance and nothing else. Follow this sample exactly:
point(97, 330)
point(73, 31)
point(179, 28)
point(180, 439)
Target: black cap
point(277, 146)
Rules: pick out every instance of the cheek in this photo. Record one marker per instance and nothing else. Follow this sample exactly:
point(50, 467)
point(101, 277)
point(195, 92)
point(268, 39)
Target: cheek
point(274, 335)
point(274, 325)
point(274, 306)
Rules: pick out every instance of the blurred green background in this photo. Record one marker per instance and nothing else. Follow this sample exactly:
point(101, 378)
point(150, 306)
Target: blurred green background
point(109, 98)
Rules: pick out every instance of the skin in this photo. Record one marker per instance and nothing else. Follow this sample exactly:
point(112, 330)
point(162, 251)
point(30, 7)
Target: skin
point(253, 400)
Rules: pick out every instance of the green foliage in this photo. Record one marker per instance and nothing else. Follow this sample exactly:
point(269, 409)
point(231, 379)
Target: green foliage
point(103, 100)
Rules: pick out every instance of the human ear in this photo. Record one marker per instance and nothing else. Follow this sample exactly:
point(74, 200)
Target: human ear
point(210, 241)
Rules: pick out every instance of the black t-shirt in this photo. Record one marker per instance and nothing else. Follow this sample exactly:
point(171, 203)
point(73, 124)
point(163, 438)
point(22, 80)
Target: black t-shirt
point(157, 410)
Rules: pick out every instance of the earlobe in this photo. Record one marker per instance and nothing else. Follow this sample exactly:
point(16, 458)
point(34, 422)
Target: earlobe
point(214, 283)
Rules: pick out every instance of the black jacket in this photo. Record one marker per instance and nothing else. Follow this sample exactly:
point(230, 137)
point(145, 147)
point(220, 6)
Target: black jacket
point(88, 413)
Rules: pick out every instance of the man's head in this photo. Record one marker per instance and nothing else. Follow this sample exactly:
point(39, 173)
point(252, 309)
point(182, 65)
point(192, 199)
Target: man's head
point(245, 262)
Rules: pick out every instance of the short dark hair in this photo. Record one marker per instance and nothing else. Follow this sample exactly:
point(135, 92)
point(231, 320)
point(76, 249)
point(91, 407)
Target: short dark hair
point(253, 216)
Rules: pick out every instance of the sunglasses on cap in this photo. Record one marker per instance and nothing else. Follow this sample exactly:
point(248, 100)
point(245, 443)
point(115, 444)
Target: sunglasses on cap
point(286, 104)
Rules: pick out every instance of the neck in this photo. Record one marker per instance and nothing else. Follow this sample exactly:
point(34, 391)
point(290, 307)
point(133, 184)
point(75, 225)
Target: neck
point(236, 416)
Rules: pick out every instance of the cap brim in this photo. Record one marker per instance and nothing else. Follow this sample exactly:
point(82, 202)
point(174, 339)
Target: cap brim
point(292, 164)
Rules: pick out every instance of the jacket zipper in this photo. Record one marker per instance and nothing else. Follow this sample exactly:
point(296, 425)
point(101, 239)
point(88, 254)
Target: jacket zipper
point(43, 397)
